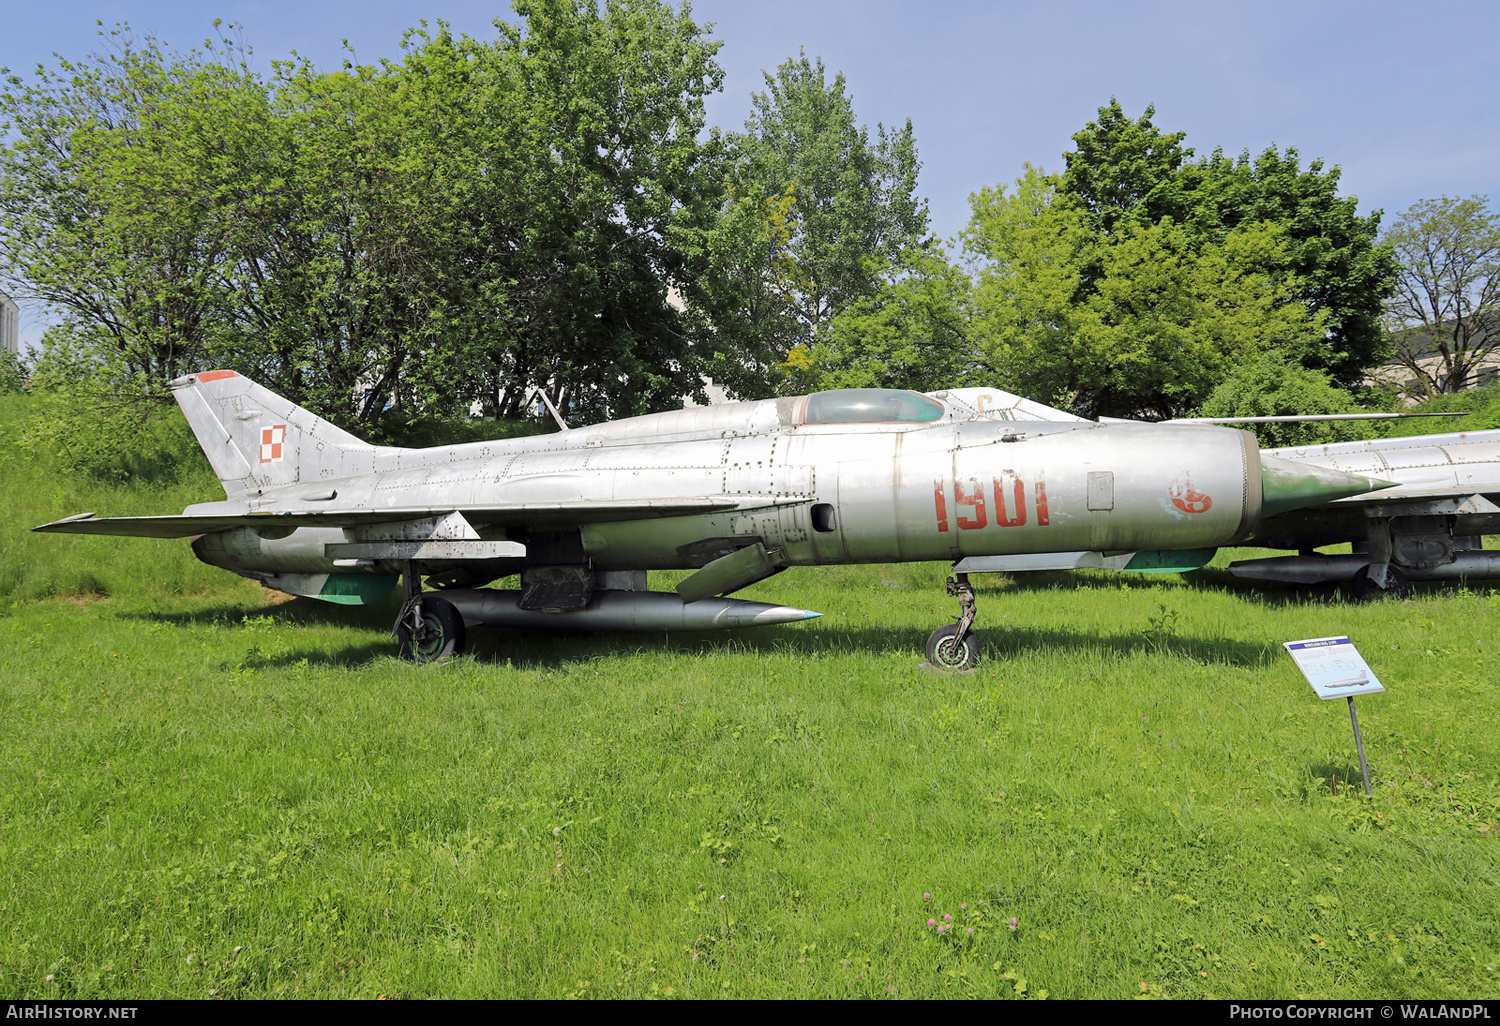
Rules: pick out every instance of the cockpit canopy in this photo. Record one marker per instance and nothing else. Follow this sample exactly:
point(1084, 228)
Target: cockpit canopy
point(870, 406)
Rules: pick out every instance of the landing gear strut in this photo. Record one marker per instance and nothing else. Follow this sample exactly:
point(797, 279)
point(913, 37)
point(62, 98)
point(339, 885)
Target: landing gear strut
point(956, 647)
point(428, 628)
point(1379, 578)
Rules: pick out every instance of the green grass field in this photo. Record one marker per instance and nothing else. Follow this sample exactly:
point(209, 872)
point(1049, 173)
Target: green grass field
point(209, 792)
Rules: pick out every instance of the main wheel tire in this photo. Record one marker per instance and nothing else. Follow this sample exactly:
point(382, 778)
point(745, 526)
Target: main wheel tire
point(1397, 585)
point(443, 633)
point(946, 652)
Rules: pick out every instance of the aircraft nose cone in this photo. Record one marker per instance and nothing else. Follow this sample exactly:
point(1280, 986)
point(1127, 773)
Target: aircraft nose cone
point(1286, 485)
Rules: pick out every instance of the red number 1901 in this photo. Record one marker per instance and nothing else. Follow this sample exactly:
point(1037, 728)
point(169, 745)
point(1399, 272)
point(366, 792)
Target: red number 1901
point(1010, 502)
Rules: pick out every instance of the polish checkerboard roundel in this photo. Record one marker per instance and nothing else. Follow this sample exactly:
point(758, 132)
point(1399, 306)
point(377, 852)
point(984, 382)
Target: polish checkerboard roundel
point(272, 441)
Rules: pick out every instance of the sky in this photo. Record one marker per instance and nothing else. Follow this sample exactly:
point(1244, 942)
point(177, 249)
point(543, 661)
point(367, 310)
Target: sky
point(1401, 97)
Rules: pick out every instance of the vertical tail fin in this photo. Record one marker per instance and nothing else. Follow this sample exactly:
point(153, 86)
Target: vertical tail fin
point(257, 440)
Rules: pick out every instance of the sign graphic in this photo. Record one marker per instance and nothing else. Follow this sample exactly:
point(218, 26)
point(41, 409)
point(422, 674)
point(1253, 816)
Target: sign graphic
point(1333, 667)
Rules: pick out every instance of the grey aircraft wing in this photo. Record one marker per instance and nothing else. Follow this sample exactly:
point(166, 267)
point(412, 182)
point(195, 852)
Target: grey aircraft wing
point(1429, 527)
point(527, 513)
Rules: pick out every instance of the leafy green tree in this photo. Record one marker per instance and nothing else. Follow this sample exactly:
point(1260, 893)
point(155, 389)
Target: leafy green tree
point(1140, 321)
point(182, 213)
point(117, 191)
point(396, 239)
point(748, 270)
point(1445, 314)
point(1481, 405)
point(1168, 319)
point(914, 332)
point(1274, 386)
point(1129, 171)
point(1342, 268)
point(816, 209)
point(13, 373)
point(86, 418)
point(1126, 169)
point(1031, 249)
point(342, 246)
point(620, 195)
point(484, 218)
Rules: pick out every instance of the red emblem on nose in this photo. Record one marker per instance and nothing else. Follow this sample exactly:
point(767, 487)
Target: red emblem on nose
point(1186, 499)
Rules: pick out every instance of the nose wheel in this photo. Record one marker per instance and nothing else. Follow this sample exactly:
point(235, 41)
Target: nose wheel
point(956, 647)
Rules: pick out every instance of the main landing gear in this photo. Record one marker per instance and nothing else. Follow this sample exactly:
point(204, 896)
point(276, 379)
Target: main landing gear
point(428, 627)
point(1370, 583)
point(956, 647)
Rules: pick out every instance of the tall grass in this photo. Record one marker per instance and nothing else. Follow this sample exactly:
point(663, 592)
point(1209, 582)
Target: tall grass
point(37, 490)
point(217, 795)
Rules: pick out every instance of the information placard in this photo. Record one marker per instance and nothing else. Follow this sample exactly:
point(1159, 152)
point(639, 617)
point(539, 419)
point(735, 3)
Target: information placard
point(1333, 667)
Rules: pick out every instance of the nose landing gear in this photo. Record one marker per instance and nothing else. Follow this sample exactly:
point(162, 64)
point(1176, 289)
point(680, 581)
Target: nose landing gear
point(956, 647)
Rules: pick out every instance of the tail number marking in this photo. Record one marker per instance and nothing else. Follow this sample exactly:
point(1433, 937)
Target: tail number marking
point(1010, 502)
point(1003, 518)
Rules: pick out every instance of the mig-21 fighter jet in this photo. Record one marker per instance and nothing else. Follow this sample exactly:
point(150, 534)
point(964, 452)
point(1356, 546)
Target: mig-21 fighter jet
point(733, 492)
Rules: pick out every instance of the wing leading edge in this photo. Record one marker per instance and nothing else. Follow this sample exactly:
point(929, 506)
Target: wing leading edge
point(516, 514)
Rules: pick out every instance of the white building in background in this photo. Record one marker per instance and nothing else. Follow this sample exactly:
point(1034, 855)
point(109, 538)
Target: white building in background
point(10, 325)
point(716, 395)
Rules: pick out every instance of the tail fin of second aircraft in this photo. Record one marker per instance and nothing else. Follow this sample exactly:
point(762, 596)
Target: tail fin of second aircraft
point(257, 440)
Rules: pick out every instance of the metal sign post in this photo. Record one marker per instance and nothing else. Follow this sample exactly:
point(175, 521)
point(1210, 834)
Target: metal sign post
point(1358, 743)
point(1335, 669)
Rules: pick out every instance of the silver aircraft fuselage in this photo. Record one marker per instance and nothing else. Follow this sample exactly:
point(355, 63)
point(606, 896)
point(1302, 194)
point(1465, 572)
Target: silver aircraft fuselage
point(814, 493)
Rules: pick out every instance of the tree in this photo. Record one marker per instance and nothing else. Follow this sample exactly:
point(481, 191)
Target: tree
point(1342, 268)
point(116, 196)
point(1140, 321)
point(344, 249)
point(1126, 171)
point(748, 271)
point(1445, 314)
point(1132, 283)
point(404, 238)
point(1273, 386)
point(1031, 250)
point(484, 218)
point(620, 195)
point(1168, 318)
point(914, 332)
point(815, 211)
